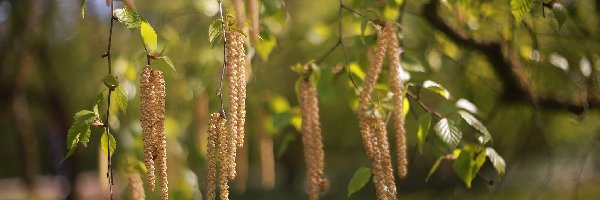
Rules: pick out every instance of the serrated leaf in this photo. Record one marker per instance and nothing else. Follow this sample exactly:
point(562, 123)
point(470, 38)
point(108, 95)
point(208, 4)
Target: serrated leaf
point(83, 5)
point(360, 178)
point(560, 13)
point(265, 46)
point(169, 62)
point(424, 124)
point(129, 18)
point(149, 36)
point(104, 143)
point(496, 160)
point(80, 131)
point(110, 81)
point(463, 166)
point(215, 32)
point(434, 167)
point(119, 99)
point(448, 132)
point(475, 123)
point(519, 8)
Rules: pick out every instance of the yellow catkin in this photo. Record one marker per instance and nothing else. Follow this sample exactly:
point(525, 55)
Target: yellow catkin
point(312, 139)
point(136, 187)
point(212, 155)
point(397, 88)
point(224, 155)
point(146, 120)
point(382, 170)
point(158, 83)
point(236, 72)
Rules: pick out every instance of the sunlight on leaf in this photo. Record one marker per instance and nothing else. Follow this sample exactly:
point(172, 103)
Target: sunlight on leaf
point(560, 13)
point(448, 132)
point(119, 100)
point(149, 36)
point(475, 123)
point(496, 160)
point(519, 8)
point(129, 18)
point(265, 46)
point(104, 144)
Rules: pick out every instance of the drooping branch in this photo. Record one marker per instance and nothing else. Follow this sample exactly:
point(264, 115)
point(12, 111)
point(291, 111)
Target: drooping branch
point(507, 67)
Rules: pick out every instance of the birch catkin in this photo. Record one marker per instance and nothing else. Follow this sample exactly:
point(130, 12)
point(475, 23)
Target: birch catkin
point(236, 74)
point(397, 88)
point(312, 139)
point(212, 154)
point(152, 93)
point(136, 188)
point(218, 160)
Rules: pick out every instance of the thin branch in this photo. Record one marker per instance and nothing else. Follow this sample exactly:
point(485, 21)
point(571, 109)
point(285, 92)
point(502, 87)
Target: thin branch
point(337, 44)
point(220, 90)
point(359, 14)
point(341, 36)
point(109, 173)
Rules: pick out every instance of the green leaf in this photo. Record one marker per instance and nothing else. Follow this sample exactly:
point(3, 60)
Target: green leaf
point(265, 46)
point(405, 107)
point(104, 143)
point(119, 99)
point(560, 13)
point(99, 103)
point(434, 167)
point(169, 62)
point(437, 88)
point(110, 81)
point(281, 120)
point(129, 18)
point(80, 131)
point(149, 36)
point(424, 124)
point(496, 160)
point(410, 64)
point(359, 180)
point(463, 166)
point(519, 8)
point(471, 120)
point(448, 132)
point(83, 4)
point(215, 32)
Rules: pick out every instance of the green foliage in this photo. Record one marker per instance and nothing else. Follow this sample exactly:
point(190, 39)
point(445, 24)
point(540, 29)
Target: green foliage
point(265, 46)
point(496, 160)
point(434, 167)
point(169, 62)
point(80, 131)
point(424, 124)
point(359, 180)
point(468, 163)
point(110, 81)
point(129, 18)
point(560, 13)
point(119, 99)
point(448, 132)
point(471, 120)
point(104, 143)
point(519, 8)
point(215, 32)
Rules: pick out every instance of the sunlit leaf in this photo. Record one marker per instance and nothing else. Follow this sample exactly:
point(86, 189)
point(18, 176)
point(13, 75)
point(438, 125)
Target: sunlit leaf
point(448, 132)
point(437, 88)
point(215, 32)
point(424, 124)
point(434, 167)
point(80, 131)
point(356, 70)
point(560, 13)
point(99, 103)
point(279, 104)
point(265, 46)
point(519, 8)
point(169, 62)
point(149, 36)
point(104, 143)
point(360, 178)
point(119, 99)
point(405, 107)
point(129, 18)
point(496, 160)
point(110, 81)
point(475, 123)
point(463, 166)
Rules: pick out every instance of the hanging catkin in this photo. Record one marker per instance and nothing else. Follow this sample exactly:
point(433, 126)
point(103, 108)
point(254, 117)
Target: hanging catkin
point(152, 93)
point(212, 154)
point(136, 188)
point(236, 73)
point(218, 160)
point(312, 139)
point(373, 129)
point(397, 88)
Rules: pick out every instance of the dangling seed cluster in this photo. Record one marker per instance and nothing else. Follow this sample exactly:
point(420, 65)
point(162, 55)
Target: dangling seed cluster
point(136, 188)
point(373, 130)
point(236, 74)
point(152, 92)
point(397, 88)
point(312, 140)
point(219, 161)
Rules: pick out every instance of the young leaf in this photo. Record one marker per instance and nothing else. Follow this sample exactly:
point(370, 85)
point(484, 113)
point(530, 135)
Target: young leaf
point(424, 124)
point(560, 13)
point(110, 81)
point(463, 166)
point(519, 8)
point(129, 18)
point(104, 144)
point(119, 99)
point(496, 160)
point(265, 46)
point(434, 167)
point(448, 132)
point(471, 120)
point(149, 36)
point(169, 62)
point(215, 32)
point(359, 180)
point(99, 103)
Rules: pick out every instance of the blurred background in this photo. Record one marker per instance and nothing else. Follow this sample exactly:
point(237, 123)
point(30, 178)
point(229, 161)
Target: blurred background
point(534, 84)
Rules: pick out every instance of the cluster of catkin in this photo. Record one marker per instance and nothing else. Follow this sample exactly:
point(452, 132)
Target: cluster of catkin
point(373, 129)
point(152, 92)
point(311, 139)
point(224, 138)
point(220, 157)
